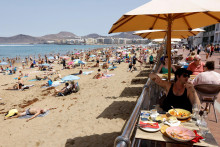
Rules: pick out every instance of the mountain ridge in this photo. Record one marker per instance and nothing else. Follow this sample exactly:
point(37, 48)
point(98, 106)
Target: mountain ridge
point(27, 39)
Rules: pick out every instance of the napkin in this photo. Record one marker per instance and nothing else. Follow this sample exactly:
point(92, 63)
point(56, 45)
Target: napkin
point(149, 125)
point(197, 138)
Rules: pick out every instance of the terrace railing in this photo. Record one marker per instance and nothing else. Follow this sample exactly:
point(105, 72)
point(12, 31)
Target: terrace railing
point(146, 101)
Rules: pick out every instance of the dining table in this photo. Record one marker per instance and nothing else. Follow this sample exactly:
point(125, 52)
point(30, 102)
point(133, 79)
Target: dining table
point(160, 136)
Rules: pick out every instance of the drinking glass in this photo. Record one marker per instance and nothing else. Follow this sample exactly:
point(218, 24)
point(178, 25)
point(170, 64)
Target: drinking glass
point(203, 127)
point(195, 111)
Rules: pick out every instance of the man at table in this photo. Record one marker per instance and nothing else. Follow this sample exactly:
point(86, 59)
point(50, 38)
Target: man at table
point(180, 94)
point(209, 76)
point(196, 66)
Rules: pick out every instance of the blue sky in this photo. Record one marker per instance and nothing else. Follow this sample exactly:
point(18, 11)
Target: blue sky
point(41, 17)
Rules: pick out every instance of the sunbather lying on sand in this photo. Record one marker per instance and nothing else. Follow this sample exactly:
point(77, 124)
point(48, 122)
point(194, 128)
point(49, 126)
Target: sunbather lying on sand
point(31, 111)
point(98, 75)
point(49, 83)
point(39, 78)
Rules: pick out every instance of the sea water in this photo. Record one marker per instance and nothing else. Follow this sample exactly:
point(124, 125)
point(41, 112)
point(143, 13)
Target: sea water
point(43, 49)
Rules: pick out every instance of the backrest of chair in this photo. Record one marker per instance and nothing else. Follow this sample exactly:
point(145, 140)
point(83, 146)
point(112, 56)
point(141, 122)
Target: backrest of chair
point(209, 89)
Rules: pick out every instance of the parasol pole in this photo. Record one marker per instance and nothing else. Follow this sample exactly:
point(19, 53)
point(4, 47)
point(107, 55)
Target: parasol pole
point(169, 45)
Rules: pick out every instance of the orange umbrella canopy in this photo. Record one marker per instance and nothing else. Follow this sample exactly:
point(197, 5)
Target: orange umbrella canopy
point(169, 15)
point(155, 34)
point(185, 15)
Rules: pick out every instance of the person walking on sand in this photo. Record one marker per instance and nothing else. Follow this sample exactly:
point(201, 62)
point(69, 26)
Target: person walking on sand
point(212, 50)
point(208, 49)
point(30, 111)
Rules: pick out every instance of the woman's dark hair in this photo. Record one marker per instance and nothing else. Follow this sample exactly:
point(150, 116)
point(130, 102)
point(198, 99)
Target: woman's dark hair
point(163, 62)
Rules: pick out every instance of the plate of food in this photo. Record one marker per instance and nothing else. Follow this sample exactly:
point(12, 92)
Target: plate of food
point(172, 121)
point(149, 126)
point(180, 113)
point(181, 134)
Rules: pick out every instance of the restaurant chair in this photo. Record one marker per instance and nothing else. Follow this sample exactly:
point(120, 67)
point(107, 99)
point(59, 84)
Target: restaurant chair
point(208, 94)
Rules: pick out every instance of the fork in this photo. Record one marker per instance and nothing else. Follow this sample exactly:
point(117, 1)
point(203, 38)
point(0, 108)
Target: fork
point(175, 110)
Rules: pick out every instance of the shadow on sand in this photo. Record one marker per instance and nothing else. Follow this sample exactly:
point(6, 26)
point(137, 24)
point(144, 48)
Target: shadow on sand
point(144, 73)
point(103, 140)
point(118, 109)
point(131, 92)
point(139, 81)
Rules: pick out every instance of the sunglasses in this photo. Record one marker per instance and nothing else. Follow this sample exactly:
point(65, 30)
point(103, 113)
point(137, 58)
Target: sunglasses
point(186, 75)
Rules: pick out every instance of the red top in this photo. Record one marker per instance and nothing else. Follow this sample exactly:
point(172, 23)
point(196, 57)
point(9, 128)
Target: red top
point(196, 69)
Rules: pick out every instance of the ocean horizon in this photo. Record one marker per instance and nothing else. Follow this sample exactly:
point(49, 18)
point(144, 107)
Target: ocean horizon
point(25, 50)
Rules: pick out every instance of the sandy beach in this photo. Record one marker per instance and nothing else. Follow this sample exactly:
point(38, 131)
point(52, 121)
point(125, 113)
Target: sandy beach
point(92, 117)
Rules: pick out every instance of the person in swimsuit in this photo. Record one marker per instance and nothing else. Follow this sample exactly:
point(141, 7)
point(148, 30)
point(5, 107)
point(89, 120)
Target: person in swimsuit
point(30, 111)
point(180, 94)
point(164, 67)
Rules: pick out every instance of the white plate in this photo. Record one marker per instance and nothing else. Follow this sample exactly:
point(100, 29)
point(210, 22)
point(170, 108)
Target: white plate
point(151, 129)
point(172, 124)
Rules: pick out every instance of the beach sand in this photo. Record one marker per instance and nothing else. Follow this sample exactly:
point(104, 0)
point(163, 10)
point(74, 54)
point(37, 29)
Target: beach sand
point(92, 117)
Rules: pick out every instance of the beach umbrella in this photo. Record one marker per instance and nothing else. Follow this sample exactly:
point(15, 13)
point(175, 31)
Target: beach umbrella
point(79, 62)
point(92, 56)
point(51, 58)
point(70, 78)
point(45, 64)
point(3, 63)
point(155, 34)
point(169, 15)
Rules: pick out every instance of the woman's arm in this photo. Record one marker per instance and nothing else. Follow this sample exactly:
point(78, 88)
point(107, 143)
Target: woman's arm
point(159, 69)
point(173, 67)
point(191, 93)
point(159, 81)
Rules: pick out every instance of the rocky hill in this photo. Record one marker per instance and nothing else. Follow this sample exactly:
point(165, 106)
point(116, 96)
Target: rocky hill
point(21, 39)
point(26, 39)
point(61, 35)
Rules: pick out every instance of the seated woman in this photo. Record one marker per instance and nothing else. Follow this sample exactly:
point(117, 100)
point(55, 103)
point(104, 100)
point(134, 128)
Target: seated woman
point(180, 94)
point(20, 83)
point(74, 87)
point(164, 67)
point(64, 91)
point(17, 86)
point(98, 75)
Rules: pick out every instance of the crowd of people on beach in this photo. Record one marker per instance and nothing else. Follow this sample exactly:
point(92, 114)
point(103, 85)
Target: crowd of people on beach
point(103, 59)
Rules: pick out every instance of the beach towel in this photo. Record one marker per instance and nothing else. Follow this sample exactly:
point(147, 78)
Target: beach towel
point(87, 72)
point(111, 67)
point(107, 76)
point(33, 80)
point(21, 77)
point(54, 84)
point(29, 116)
point(26, 86)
